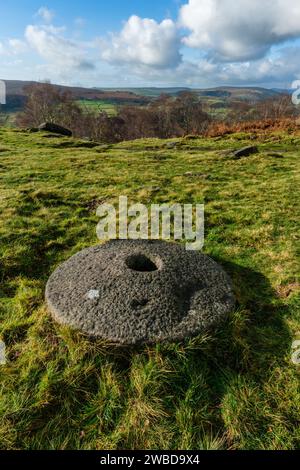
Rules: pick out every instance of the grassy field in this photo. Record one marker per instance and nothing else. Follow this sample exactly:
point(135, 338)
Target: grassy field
point(111, 109)
point(98, 105)
point(235, 388)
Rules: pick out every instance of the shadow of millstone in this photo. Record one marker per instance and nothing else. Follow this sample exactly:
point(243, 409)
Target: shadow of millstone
point(242, 352)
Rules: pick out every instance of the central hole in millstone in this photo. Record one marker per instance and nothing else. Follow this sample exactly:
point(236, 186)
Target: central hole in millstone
point(141, 263)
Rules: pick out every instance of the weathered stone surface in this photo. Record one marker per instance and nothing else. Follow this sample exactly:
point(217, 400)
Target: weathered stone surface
point(245, 151)
point(133, 292)
point(55, 128)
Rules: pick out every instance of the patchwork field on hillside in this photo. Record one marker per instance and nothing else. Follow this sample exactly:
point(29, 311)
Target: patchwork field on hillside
point(235, 388)
point(99, 106)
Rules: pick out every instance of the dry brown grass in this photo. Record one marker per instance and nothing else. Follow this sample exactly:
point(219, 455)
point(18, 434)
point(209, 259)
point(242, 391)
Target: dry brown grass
point(292, 126)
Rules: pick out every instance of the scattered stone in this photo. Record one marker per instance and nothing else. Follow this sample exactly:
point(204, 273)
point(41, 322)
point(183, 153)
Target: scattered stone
point(245, 151)
point(139, 292)
point(55, 128)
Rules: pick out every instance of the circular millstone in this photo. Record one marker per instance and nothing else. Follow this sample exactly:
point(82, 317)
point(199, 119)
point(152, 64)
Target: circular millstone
point(138, 291)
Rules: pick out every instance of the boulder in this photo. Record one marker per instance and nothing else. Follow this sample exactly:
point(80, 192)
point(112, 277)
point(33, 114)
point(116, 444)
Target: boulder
point(139, 292)
point(245, 151)
point(55, 129)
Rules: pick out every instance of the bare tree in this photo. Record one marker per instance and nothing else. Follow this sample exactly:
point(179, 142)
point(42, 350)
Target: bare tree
point(280, 107)
point(47, 103)
point(165, 117)
point(190, 115)
point(240, 111)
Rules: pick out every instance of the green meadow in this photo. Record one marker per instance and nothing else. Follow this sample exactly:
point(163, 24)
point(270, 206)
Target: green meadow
point(99, 105)
point(233, 388)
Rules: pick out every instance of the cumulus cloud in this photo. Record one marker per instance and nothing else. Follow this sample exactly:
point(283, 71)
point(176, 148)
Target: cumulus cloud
point(46, 14)
point(52, 46)
point(17, 46)
point(144, 42)
point(239, 31)
point(270, 71)
point(282, 69)
point(226, 42)
point(12, 47)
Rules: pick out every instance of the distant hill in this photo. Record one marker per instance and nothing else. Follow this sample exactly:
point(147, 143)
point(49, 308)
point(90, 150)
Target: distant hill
point(151, 92)
point(236, 93)
point(253, 94)
point(16, 94)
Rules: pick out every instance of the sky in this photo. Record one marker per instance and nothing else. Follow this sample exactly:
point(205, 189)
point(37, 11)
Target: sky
point(147, 43)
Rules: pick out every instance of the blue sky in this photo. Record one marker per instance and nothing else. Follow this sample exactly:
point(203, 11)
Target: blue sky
point(196, 43)
point(101, 16)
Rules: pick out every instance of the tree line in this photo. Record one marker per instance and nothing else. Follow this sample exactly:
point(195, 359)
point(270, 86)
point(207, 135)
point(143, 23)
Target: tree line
point(164, 117)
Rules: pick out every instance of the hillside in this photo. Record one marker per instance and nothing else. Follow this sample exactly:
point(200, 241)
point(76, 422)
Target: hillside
point(16, 93)
point(221, 96)
point(235, 388)
point(234, 93)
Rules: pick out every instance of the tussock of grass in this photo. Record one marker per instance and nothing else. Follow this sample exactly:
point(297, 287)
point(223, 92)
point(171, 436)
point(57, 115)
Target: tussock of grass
point(235, 388)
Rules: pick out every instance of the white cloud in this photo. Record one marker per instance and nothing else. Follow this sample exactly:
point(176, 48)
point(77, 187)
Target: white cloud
point(282, 69)
point(226, 42)
point(144, 42)
point(12, 47)
point(46, 14)
point(239, 31)
point(17, 46)
point(59, 51)
point(277, 71)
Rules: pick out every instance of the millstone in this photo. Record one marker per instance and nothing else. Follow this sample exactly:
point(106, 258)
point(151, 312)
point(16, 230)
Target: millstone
point(139, 291)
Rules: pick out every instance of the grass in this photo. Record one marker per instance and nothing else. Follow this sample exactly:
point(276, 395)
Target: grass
point(235, 388)
point(99, 105)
